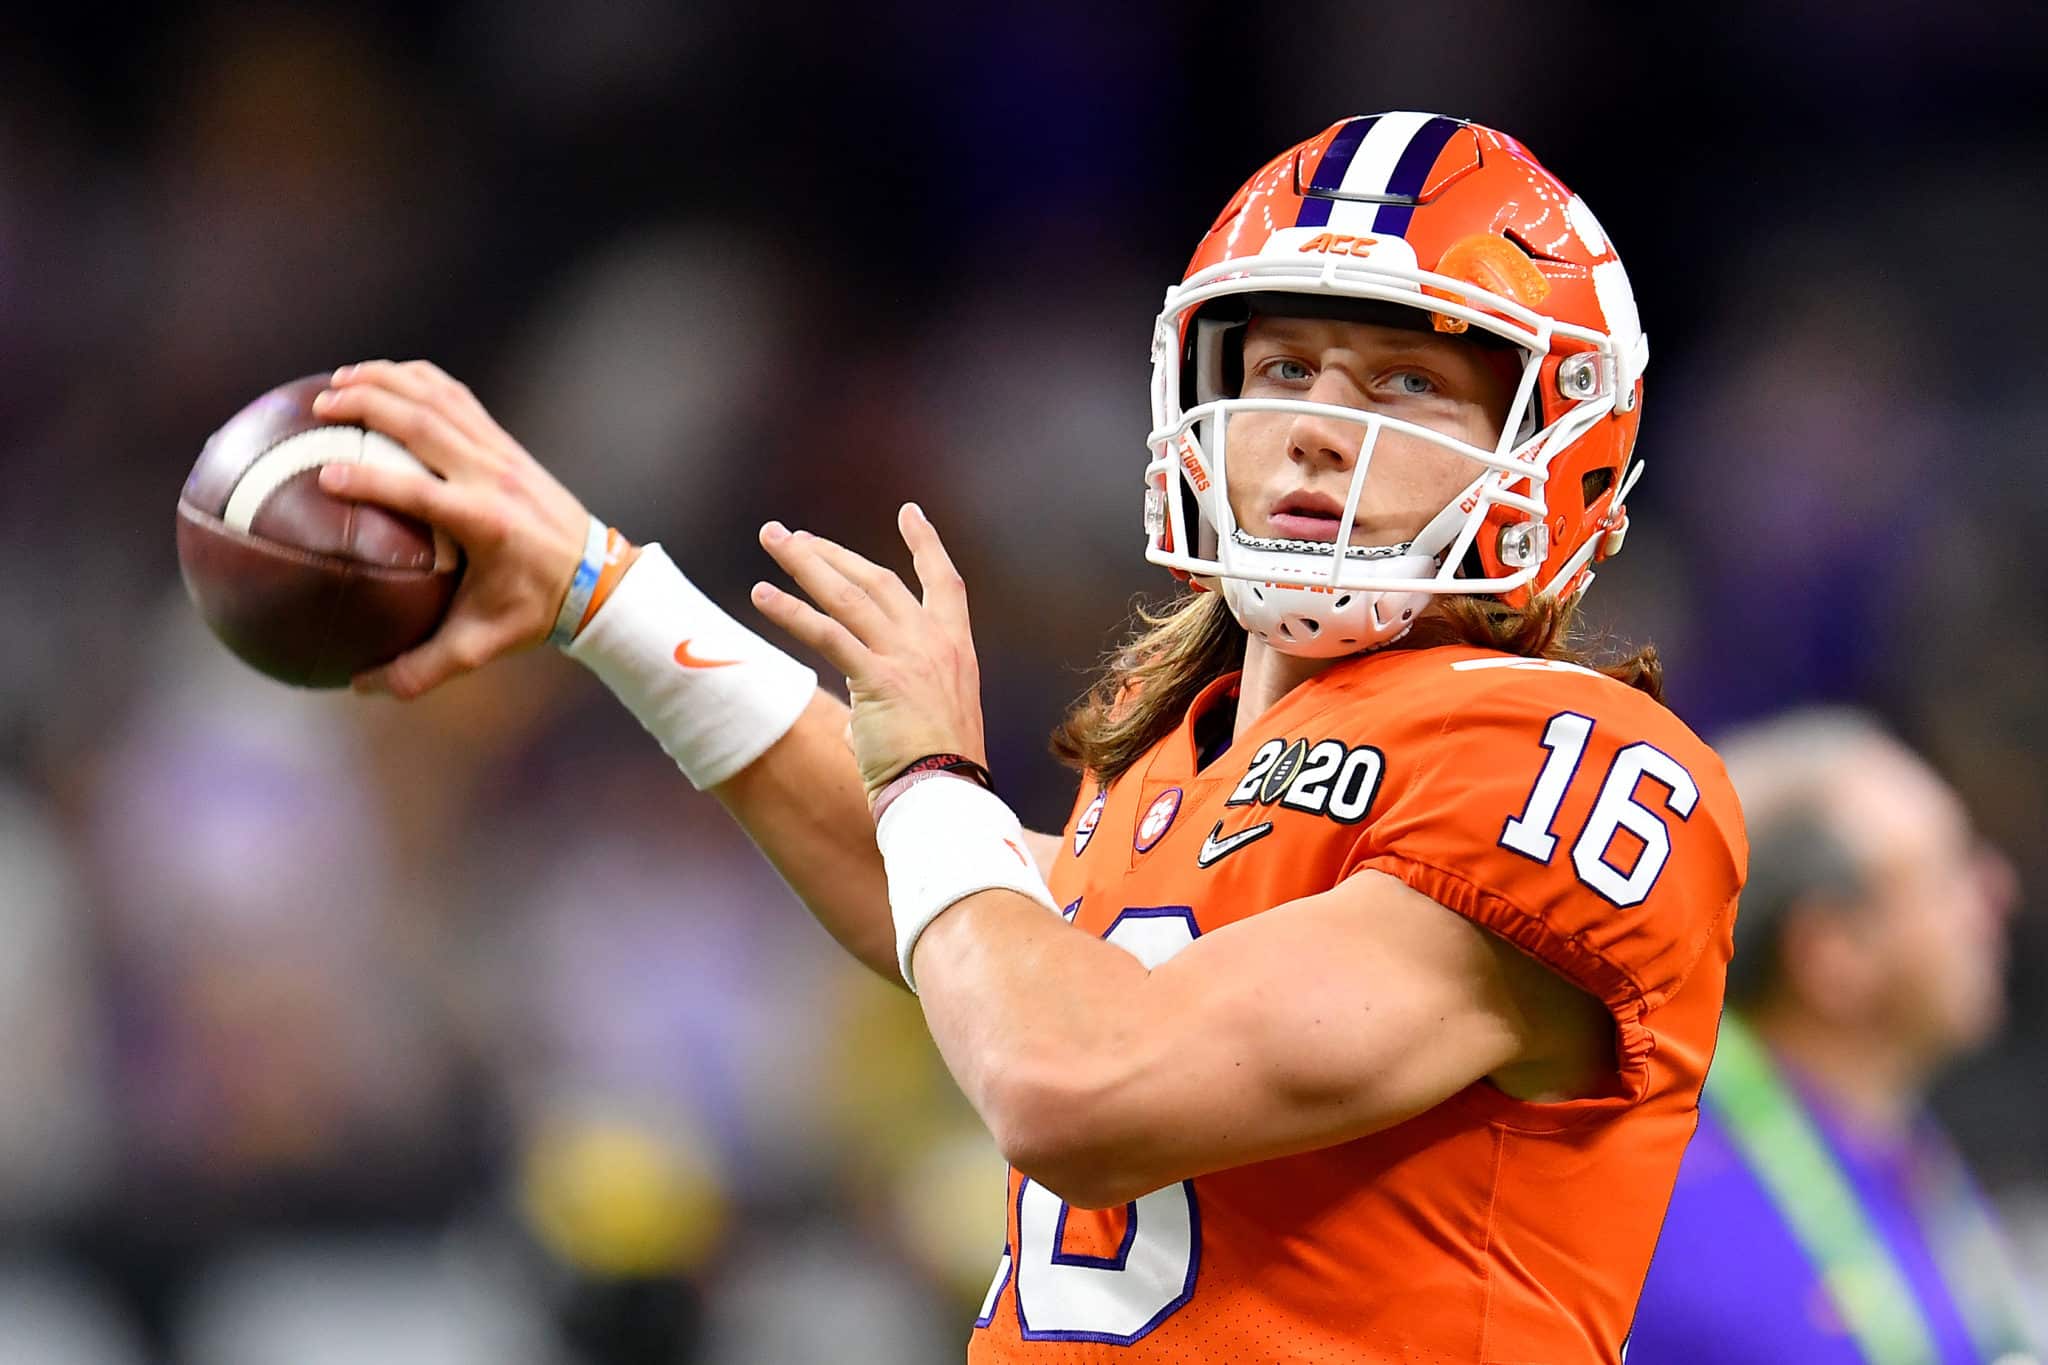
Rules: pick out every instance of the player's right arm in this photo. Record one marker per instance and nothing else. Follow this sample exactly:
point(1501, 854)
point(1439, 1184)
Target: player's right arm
point(801, 798)
point(804, 805)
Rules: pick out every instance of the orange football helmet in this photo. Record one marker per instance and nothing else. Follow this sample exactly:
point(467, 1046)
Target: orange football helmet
point(1387, 213)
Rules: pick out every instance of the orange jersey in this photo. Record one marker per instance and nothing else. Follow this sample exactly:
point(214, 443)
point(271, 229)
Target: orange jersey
point(1557, 808)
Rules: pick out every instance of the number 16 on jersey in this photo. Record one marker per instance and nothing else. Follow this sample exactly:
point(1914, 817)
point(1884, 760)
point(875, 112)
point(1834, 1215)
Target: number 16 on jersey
point(1532, 833)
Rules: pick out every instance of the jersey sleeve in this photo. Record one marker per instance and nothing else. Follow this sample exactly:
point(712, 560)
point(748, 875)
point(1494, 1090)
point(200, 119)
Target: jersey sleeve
point(1578, 820)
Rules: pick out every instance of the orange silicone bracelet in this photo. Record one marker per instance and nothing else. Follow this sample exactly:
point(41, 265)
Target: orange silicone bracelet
point(619, 554)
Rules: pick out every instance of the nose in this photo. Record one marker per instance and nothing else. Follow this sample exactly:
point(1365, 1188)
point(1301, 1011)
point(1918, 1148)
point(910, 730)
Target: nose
point(1319, 439)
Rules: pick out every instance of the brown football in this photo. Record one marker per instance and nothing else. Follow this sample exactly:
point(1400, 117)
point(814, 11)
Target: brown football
point(309, 588)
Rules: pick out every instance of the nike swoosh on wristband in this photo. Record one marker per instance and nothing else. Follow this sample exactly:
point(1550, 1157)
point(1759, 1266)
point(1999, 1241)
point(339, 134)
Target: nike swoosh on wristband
point(1215, 850)
point(689, 660)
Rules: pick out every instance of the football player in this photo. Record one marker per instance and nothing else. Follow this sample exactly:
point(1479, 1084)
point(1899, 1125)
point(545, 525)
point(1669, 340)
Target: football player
point(1361, 1011)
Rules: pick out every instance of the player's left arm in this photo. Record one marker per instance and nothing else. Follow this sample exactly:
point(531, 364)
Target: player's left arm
point(1308, 1025)
point(1298, 1028)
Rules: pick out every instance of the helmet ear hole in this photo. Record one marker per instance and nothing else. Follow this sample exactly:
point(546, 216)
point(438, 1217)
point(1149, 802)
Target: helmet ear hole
point(1212, 359)
point(1595, 483)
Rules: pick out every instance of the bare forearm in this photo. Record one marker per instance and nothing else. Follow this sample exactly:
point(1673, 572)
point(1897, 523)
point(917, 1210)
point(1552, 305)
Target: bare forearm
point(1103, 1080)
point(1099, 1079)
point(1024, 1008)
point(803, 804)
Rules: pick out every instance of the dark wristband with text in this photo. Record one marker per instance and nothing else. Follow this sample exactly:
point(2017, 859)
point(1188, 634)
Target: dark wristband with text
point(931, 765)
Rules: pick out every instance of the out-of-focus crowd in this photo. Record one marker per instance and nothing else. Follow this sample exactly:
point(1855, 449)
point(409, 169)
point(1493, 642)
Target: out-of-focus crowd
point(338, 1030)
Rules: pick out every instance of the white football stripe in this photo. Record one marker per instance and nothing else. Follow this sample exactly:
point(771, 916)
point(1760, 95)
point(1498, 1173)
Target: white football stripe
point(310, 449)
point(292, 456)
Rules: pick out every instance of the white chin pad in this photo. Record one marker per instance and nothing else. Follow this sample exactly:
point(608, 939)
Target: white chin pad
point(1321, 623)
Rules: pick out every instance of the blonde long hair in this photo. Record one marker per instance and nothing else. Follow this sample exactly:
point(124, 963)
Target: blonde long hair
point(1144, 687)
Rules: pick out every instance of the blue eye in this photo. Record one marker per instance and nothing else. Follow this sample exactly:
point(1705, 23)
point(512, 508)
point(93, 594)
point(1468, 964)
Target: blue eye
point(1287, 370)
point(1413, 383)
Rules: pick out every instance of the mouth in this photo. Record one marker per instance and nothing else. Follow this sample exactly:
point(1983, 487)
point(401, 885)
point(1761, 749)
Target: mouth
point(1306, 516)
point(1306, 523)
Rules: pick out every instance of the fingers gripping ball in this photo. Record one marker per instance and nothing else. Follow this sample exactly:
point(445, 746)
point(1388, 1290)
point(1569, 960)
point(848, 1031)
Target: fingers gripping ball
point(306, 587)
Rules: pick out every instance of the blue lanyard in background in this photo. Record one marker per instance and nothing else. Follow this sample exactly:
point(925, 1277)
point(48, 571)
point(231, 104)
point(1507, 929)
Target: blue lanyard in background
point(1790, 1158)
point(1811, 1192)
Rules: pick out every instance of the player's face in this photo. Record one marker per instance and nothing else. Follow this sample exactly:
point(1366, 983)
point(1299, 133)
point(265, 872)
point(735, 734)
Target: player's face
point(1942, 899)
point(1289, 473)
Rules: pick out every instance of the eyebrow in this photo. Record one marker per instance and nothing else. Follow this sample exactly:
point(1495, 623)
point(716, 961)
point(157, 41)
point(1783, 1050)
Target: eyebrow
point(1400, 342)
point(1266, 325)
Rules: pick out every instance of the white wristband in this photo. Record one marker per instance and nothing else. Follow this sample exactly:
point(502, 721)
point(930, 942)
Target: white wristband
point(714, 693)
point(944, 840)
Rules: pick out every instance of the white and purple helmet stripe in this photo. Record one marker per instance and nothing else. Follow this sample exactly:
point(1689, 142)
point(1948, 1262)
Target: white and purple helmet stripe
point(1372, 176)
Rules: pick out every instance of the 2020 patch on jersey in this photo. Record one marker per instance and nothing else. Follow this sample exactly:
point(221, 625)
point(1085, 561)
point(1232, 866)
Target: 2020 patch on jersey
point(1567, 813)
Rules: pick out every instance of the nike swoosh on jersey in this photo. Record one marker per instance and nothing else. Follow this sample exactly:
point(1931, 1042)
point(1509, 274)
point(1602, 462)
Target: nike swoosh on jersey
point(689, 660)
point(1215, 850)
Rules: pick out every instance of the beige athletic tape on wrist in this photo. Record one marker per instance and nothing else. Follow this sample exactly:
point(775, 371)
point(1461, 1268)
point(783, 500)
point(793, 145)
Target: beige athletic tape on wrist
point(942, 841)
point(714, 693)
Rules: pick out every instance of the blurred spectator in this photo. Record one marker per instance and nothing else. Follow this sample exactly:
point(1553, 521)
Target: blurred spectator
point(56, 1138)
point(52, 1316)
point(1821, 1214)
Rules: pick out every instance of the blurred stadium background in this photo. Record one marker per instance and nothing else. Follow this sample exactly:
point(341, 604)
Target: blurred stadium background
point(464, 1031)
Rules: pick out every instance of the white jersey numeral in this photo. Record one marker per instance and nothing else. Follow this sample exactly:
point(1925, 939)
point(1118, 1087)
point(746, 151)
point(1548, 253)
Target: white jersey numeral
point(1529, 833)
point(1115, 1299)
point(1618, 809)
point(1615, 809)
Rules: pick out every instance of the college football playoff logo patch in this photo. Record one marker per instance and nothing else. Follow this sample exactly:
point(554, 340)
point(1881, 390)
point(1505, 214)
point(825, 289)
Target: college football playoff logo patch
point(1316, 777)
